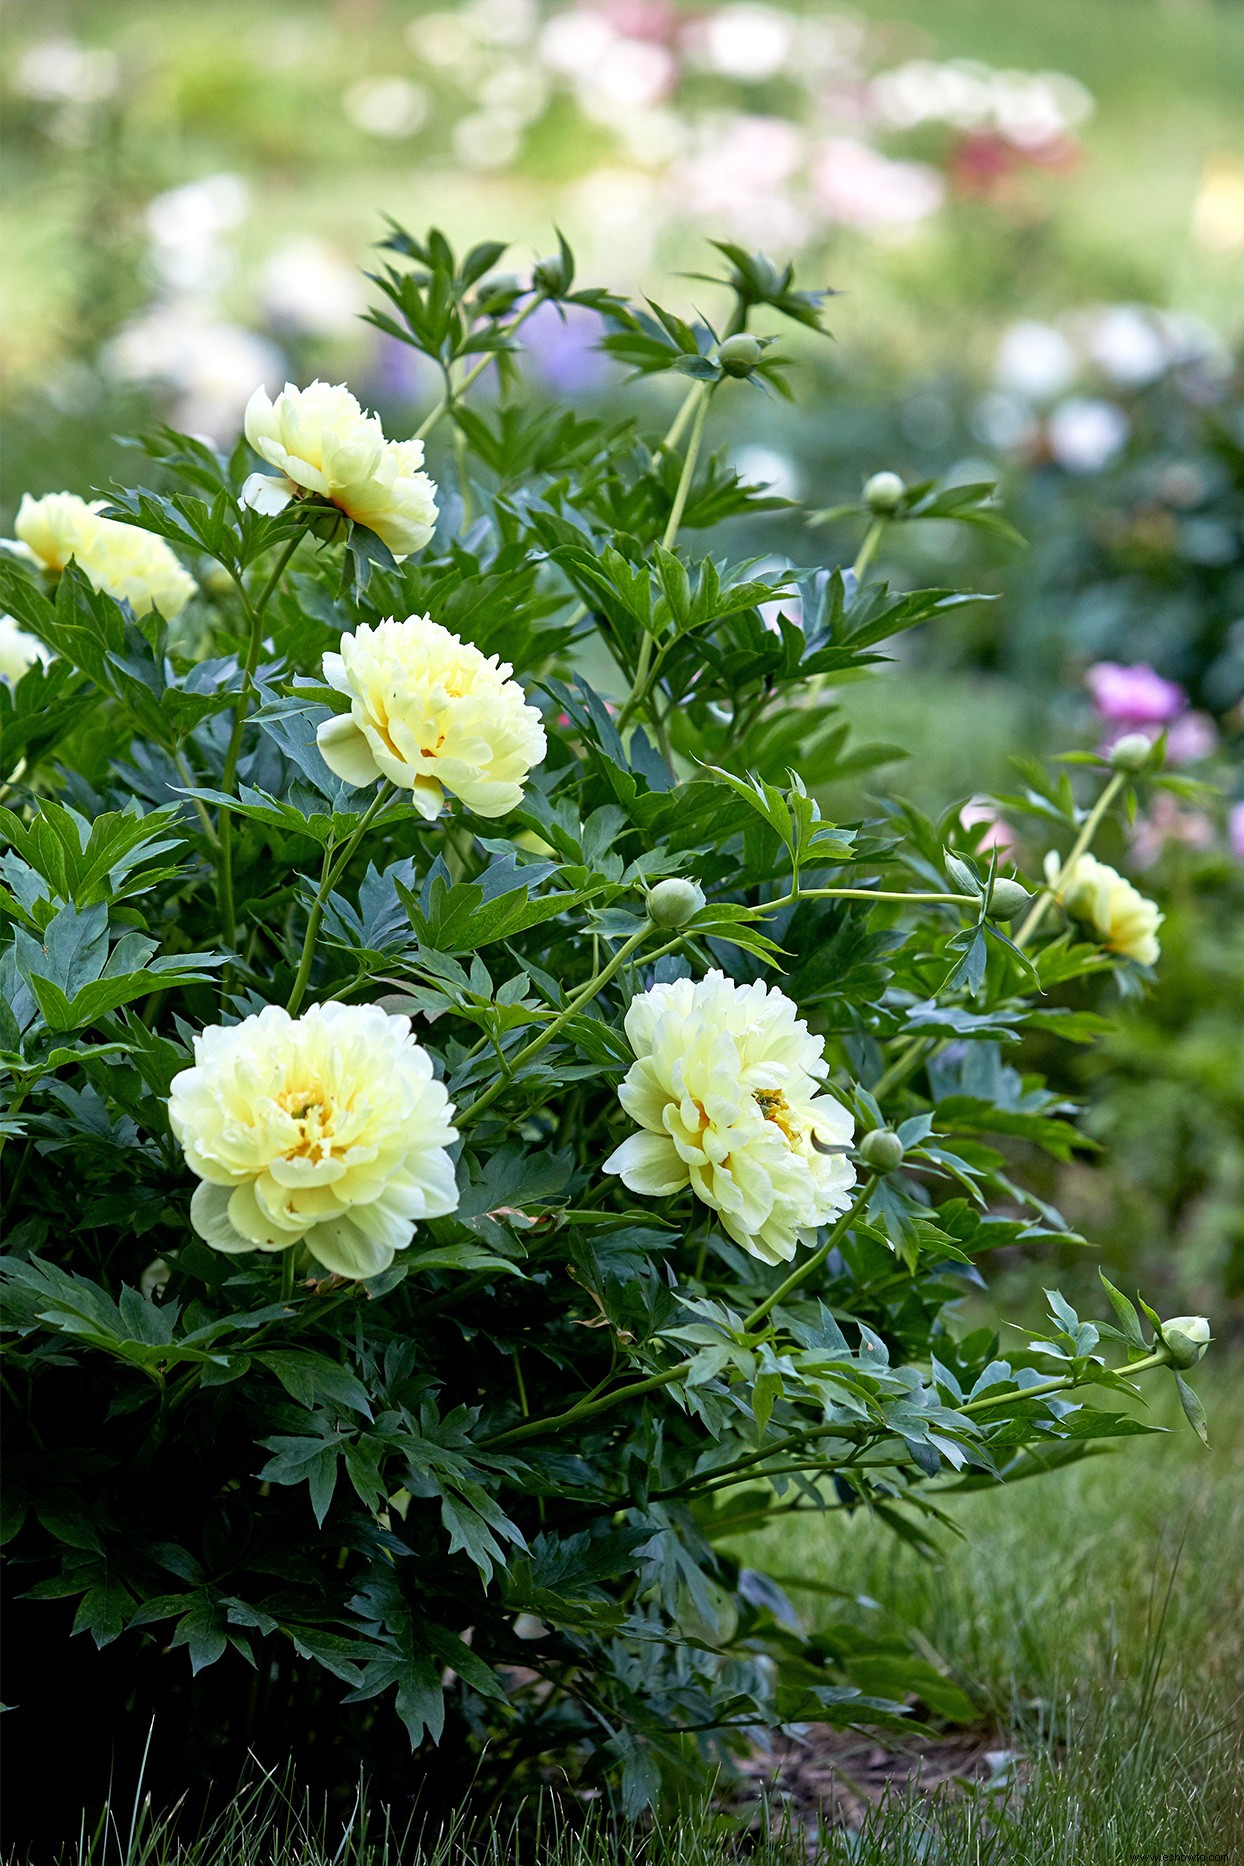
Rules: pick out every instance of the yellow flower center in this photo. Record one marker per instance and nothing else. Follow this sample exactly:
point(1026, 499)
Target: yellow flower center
point(314, 1114)
point(774, 1107)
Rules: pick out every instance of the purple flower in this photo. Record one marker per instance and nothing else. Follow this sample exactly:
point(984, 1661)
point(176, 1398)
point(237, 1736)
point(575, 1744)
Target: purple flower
point(1134, 696)
point(563, 348)
point(1235, 829)
point(1191, 737)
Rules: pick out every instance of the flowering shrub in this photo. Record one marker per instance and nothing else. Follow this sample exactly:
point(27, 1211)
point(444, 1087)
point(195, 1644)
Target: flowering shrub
point(481, 1140)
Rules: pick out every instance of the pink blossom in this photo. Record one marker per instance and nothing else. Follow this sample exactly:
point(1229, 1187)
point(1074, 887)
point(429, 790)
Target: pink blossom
point(1191, 737)
point(1235, 830)
point(1165, 822)
point(999, 834)
point(1134, 696)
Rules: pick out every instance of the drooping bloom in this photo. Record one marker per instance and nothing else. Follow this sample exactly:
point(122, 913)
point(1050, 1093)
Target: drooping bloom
point(432, 714)
point(18, 651)
point(320, 441)
point(1110, 909)
point(125, 563)
point(330, 1129)
point(726, 1087)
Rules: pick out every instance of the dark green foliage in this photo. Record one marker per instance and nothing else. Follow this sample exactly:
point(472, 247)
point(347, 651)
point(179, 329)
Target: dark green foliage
point(496, 1487)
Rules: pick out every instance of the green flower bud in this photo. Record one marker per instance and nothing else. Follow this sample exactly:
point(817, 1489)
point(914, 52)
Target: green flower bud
point(1187, 1338)
point(881, 1149)
point(674, 903)
point(551, 276)
point(884, 493)
point(1132, 752)
point(496, 295)
point(739, 355)
point(1007, 898)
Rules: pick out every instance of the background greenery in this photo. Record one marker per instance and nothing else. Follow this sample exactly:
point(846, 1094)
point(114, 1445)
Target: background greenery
point(273, 98)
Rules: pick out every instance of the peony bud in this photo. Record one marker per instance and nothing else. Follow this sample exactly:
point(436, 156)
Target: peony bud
point(881, 1149)
point(1132, 752)
point(552, 276)
point(884, 493)
point(1007, 899)
point(1187, 1338)
point(739, 355)
point(674, 903)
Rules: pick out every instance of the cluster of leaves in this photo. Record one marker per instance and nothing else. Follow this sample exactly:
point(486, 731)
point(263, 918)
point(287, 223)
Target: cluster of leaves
point(496, 1488)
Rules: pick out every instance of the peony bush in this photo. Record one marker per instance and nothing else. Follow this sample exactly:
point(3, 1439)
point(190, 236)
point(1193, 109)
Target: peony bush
point(478, 1139)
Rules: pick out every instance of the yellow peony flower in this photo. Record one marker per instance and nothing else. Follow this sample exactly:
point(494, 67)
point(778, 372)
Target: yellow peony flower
point(1108, 907)
point(18, 651)
point(432, 714)
point(726, 1088)
point(126, 563)
point(329, 1129)
point(320, 441)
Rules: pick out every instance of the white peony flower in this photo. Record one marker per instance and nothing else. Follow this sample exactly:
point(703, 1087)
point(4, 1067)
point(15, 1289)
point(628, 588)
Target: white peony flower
point(320, 441)
point(329, 1129)
point(18, 651)
point(726, 1088)
point(432, 714)
point(125, 563)
point(1107, 906)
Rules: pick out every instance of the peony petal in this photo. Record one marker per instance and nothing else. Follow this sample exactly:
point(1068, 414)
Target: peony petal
point(346, 1250)
point(265, 494)
point(346, 752)
point(648, 1163)
point(209, 1214)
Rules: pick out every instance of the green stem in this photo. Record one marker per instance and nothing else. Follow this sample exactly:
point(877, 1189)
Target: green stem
point(330, 875)
point(868, 550)
point(583, 996)
point(902, 1067)
point(287, 1273)
point(254, 645)
point(702, 392)
point(588, 1409)
point(1159, 1358)
point(862, 894)
point(812, 1263)
point(1036, 913)
point(452, 396)
point(688, 467)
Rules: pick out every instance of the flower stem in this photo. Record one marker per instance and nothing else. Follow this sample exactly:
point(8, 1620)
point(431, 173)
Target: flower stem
point(1036, 913)
point(287, 1273)
point(330, 875)
point(701, 392)
point(868, 550)
point(812, 1263)
point(863, 894)
point(1159, 1358)
point(583, 996)
point(255, 614)
point(451, 396)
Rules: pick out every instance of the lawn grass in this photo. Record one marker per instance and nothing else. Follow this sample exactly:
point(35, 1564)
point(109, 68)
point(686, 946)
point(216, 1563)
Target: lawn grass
point(1096, 1615)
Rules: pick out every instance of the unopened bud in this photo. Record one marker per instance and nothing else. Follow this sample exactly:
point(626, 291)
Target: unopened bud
point(1007, 898)
point(1187, 1338)
point(551, 276)
point(497, 295)
point(884, 493)
point(881, 1149)
point(739, 355)
point(674, 903)
point(1132, 752)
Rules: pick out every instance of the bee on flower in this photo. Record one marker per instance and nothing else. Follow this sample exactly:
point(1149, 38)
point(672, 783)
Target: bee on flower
point(727, 1089)
point(1109, 908)
point(124, 562)
point(320, 441)
point(432, 714)
point(329, 1130)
